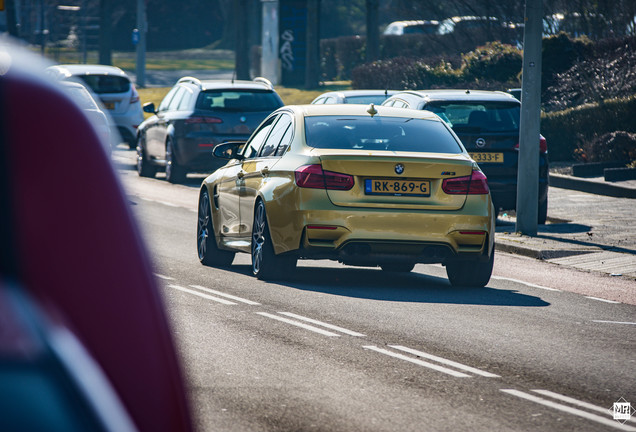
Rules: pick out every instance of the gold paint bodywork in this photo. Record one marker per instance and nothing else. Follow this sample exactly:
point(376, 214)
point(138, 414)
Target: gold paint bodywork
point(389, 225)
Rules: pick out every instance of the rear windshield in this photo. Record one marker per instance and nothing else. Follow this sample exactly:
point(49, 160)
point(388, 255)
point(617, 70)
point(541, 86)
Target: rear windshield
point(468, 117)
point(236, 100)
point(101, 84)
point(366, 99)
point(380, 133)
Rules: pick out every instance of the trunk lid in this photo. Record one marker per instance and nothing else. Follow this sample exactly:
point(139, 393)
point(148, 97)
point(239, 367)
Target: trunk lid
point(399, 180)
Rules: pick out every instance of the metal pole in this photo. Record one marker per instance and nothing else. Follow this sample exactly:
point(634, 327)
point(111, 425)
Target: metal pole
point(270, 67)
point(528, 174)
point(141, 46)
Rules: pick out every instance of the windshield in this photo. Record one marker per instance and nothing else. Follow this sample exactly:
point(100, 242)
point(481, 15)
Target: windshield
point(473, 116)
point(237, 100)
point(380, 133)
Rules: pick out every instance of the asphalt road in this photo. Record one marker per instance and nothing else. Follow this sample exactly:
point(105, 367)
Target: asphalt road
point(339, 348)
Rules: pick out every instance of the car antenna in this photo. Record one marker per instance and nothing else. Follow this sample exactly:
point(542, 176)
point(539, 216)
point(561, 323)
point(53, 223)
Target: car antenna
point(372, 110)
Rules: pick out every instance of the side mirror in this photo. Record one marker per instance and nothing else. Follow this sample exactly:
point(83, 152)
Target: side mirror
point(149, 107)
point(229, 150)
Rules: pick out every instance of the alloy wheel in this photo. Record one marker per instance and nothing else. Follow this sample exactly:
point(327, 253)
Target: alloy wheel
point(203, 225)
point(258, 239)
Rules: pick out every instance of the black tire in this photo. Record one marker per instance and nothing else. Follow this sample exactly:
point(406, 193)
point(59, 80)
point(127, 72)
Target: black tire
point(207, 249)
point(543, 211)
point(467, 273)
point(398, 268)
point(144, 167)
point(175, 173)
point(266, 265)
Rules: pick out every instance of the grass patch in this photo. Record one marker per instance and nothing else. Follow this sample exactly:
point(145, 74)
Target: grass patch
point(155, 60)
point(185, 64)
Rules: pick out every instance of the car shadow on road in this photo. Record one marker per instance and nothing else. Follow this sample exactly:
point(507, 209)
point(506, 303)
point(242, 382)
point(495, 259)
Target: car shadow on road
point(413, 287)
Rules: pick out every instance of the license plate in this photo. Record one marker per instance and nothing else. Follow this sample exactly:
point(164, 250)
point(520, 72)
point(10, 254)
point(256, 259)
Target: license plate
point(487, 157)
point(109, 105)
point(397, 187)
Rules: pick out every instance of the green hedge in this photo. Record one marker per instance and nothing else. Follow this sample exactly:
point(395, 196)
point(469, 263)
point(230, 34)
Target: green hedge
point(567, 130)
point(492, 66)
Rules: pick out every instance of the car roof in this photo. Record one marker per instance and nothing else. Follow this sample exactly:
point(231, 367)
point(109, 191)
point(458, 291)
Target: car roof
point(68, 70)
point(257, 84)
point(367, 92)
point(360, 110)
point(413, 22)
point(462, 95)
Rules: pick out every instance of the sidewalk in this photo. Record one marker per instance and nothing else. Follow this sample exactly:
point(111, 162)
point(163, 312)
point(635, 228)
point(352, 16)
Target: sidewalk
point(591, 226)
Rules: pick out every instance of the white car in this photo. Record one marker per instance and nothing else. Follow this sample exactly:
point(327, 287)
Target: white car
point(101, 121)
point(399, 28)
point(113, 87)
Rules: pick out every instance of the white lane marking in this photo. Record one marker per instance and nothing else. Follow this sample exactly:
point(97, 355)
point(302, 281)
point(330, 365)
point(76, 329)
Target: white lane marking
point(322, 324)
point(160, 276)
point(573, 401)
point(614, 322)
point(418, 362)
point(222, 294)
point(166, 203)
point(200, 294)
point(569, 410)
point(299, 324)
point(602, 300)
point(445, 361)
point(525, 283)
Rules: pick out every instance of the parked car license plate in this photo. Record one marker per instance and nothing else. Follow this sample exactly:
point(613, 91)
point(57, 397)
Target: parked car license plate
point(109, 105)
point(397, 187)
point(487, 157)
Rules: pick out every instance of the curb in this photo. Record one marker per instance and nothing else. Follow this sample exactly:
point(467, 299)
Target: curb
point(540, 254)
point(590, 186)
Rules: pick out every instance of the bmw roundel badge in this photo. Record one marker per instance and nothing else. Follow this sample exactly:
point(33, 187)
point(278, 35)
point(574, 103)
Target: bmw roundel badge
point(399, 168)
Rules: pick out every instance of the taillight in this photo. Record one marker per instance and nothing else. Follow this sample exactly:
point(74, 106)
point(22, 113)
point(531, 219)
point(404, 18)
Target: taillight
point(203, 120)
point(474, 184)
point(134, 98)
point(313, 176)
point(543, 145)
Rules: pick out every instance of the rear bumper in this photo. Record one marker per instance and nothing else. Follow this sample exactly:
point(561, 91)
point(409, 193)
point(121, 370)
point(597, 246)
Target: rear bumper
point(195, 152)
point(128, 122)
point(369, 237)
point(504, 192)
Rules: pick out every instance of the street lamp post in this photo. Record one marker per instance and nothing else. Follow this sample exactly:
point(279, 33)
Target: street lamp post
point(528, 174)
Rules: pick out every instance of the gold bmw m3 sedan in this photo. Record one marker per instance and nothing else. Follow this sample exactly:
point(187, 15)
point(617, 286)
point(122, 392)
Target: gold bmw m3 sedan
point(363, 185)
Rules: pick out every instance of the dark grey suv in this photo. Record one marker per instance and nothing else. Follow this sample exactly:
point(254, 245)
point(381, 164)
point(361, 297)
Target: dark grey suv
point(487, 122)
point(194, 117)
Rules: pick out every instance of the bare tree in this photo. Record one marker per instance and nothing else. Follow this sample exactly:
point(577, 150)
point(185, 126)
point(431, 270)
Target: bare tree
point(242, 58)
point(105, 32)
point(373, 30)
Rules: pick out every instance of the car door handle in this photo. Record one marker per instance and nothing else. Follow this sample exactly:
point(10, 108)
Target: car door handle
point(240, 174)
point(265, 171)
